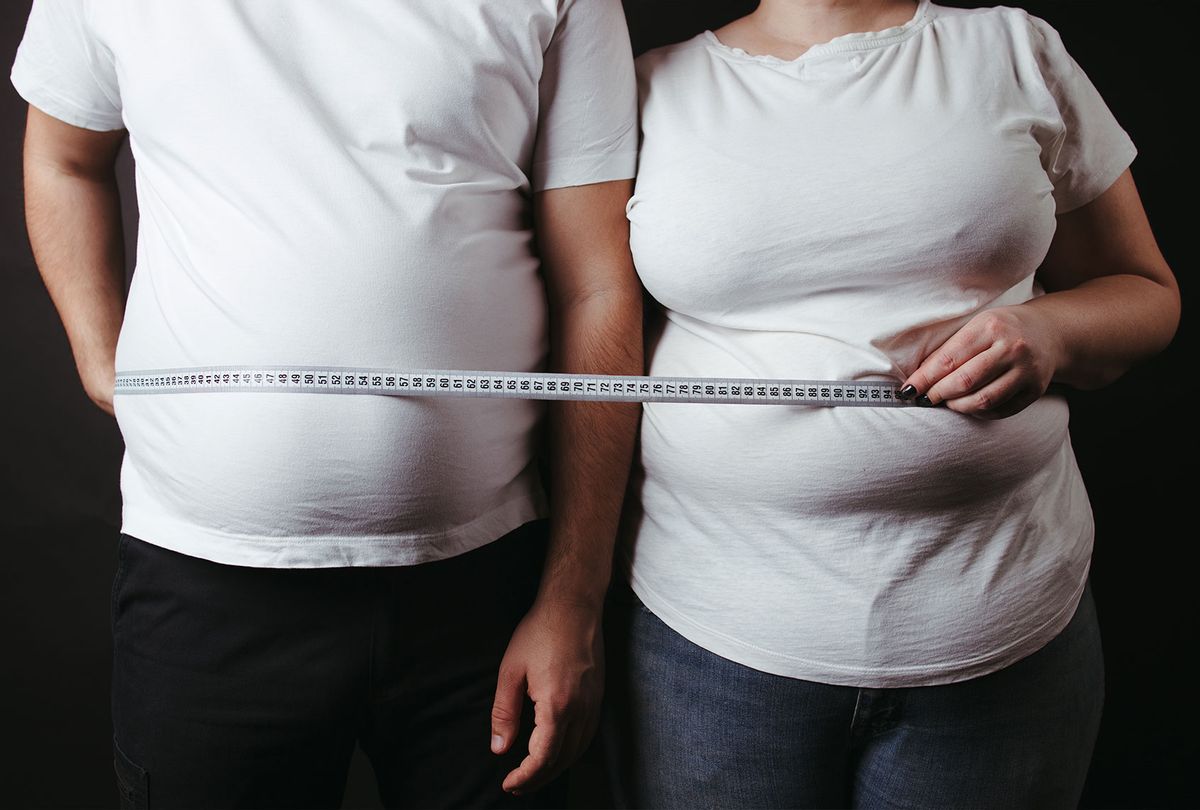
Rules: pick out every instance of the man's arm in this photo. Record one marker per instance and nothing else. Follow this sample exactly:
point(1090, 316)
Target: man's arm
point(556, 653)
point(73, 212)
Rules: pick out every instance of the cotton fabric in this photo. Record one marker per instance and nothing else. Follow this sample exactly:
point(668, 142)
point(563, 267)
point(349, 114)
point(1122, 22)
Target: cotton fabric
point(687, 728)
point(336, 184)
point(839, 216)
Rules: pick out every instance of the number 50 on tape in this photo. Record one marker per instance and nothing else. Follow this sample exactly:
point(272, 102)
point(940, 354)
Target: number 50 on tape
point(510, 385)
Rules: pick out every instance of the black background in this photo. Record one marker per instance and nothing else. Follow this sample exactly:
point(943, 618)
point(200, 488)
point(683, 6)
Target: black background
point(60, 500)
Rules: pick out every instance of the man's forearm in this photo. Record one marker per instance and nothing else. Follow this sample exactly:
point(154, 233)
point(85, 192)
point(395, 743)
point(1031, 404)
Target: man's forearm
point(591, 446)
point(73, 212)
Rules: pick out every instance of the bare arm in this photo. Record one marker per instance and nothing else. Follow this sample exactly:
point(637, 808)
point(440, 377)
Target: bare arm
point(595, 320)
point(1117, 299)
point(1111, 302)
point(73, 213)
point(595, 327)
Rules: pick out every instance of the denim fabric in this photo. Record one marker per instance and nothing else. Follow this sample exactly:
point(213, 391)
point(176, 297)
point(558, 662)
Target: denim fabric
point(251, 687)
point(685, 728)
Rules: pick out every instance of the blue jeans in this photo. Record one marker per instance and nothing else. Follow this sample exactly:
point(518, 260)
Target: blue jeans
point(687, 728)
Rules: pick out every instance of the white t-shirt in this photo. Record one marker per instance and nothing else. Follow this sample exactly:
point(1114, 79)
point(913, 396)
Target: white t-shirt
point(346, 184)
point(838, 217)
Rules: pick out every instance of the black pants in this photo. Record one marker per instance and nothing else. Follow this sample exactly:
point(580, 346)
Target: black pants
point(251, 687)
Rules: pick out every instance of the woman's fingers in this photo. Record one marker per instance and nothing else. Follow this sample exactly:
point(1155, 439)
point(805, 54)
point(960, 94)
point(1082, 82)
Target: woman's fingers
point(972, 375)
point(1011, 392)
point(963, 345)
point(992, 367)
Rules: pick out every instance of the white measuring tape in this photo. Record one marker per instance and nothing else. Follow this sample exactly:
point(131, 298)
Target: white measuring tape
point(510, 385)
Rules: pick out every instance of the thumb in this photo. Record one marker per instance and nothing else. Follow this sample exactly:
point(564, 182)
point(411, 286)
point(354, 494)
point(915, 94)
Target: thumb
point(506, 710)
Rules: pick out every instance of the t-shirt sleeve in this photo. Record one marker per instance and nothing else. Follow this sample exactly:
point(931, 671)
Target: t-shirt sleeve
point(64, 71)
point(1086, 150)
point(587, 127)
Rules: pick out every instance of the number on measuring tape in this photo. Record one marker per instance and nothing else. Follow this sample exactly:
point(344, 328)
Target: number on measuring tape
point(512, 385)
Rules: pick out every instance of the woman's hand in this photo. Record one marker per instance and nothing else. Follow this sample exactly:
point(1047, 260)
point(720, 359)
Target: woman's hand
point(996, 365)
point(1111, 301)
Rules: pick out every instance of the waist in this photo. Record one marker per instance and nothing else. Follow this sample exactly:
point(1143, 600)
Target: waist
point(831, 461)
point(306, 465)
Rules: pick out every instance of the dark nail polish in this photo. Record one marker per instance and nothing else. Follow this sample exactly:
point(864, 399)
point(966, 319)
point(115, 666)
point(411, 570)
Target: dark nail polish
point(907, 392)
point(924, 401)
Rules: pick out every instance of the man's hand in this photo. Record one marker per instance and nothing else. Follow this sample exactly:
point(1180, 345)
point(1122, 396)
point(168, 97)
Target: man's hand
point(556, 657)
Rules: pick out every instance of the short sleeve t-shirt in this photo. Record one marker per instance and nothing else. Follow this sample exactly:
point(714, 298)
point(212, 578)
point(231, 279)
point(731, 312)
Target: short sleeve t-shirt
point(340, 184)
point(839, 216)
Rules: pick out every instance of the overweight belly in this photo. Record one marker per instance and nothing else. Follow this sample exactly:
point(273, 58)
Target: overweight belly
point(802, 460)
point(300, 465)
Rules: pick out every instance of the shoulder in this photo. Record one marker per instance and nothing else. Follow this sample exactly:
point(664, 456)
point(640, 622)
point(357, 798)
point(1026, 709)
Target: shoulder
point(1005, 42)
point(995, 26)
point(605, 15)
point(672, 61)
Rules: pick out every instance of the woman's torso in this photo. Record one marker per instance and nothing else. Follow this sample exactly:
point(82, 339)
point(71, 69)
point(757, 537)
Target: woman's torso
point(839, 217)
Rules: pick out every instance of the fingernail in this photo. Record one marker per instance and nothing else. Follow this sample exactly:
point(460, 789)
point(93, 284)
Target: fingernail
point(907, 392)
point(497, 743)
point(924, 401)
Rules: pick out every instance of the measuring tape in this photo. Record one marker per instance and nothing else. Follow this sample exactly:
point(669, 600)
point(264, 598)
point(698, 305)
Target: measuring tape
point(510, 385)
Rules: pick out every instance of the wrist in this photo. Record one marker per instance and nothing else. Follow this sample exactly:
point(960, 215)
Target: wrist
point(98, 377)
point(586, 605)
